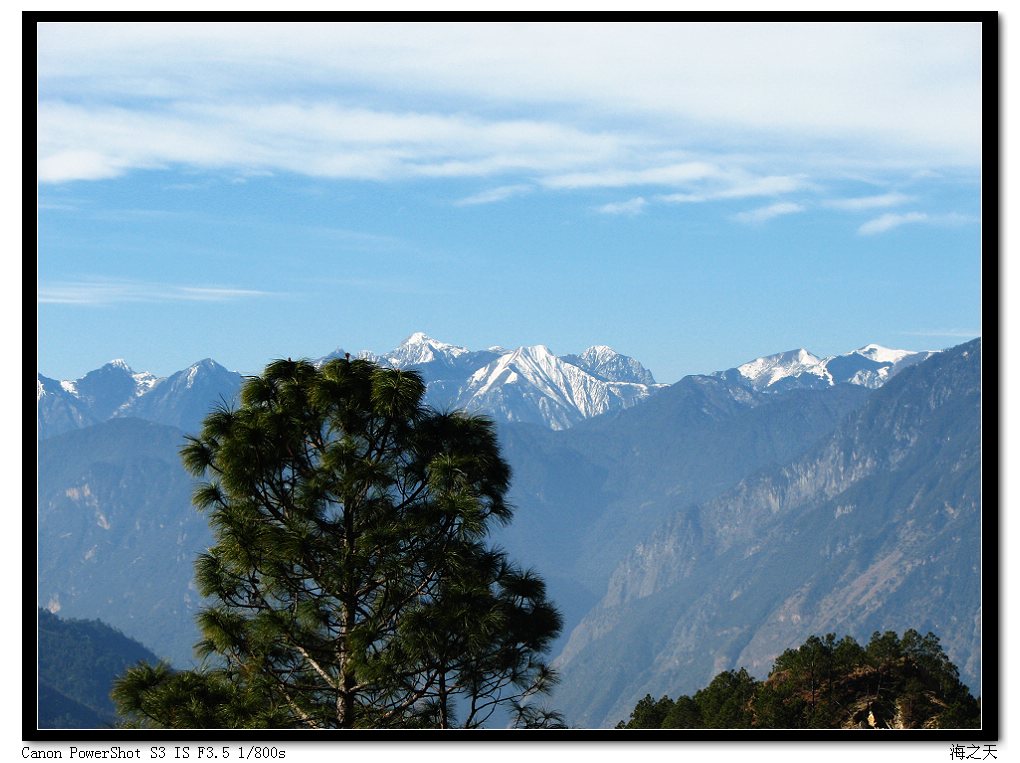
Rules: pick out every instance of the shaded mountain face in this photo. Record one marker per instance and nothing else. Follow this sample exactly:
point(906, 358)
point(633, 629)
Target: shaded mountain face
point(58, 409)
point(586, 496)
point(875, 527)
point(118, 536)
point(78, 662)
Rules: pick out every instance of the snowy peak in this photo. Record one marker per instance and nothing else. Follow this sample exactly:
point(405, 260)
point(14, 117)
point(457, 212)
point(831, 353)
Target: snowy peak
point(880, 354)
point(535, 364)
point(869, 366)
point(528, 383)
point(774, 369)
point(420, 348)
point(606, 363)
point(532, 384)
point(196, 373)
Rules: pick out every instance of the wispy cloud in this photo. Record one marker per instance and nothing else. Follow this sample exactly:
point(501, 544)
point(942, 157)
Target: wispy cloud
point(290, 99)
point(494, 195)
point(918, 87)
point(631, 207)
point(763, 214)
point(670, 174)
point(863, 203)
point(891, 220)
point(98, 292)
point(310, 138)
point(738, 184)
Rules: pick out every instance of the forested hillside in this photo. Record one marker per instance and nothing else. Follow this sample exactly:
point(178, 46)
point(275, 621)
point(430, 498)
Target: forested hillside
point(78, 660)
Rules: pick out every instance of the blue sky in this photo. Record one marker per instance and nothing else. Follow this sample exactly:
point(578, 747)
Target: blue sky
point(692, 195)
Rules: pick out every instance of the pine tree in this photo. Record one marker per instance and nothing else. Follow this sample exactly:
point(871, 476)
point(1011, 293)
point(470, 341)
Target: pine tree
point(351, 581)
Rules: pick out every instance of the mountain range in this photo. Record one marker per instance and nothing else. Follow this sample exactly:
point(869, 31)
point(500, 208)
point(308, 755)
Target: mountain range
point(524, 385)
point(683, 529)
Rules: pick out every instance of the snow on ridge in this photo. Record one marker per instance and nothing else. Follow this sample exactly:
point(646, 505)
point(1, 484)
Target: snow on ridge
point(880, 364)
point(555, 389)
point(766, 371)
point(144, 382)
point(612, 366)
point(69, 387)
point(881, 354)
point(420, 348)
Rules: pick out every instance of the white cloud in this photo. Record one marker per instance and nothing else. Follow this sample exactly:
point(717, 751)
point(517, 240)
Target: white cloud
point(109, 292)
point(905, 86)
point(862, 203)
point(77, 164)
point(631, 207)
point(739, 185)
point(493, 195)
point(671, 174)
point(889, 221)
point(397, 101)
point(763, 214)
point(892, 220)
point(321, 140)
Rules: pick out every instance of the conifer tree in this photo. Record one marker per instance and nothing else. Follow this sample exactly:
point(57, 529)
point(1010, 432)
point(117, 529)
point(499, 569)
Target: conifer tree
point(351, 582)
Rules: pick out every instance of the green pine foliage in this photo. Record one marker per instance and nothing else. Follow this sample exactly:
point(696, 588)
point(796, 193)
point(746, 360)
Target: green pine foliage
point(351, 581)
point(892, 683)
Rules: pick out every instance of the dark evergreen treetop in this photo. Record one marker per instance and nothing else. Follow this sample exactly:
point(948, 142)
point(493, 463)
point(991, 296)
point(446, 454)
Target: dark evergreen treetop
point(893, 682)
point(351, 581)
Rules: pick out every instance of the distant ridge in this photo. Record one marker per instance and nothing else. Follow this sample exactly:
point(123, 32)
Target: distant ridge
point(870, 366)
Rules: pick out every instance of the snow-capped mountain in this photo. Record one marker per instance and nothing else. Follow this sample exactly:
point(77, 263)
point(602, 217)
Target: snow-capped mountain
point(609, 365)
point(870, 366)
point(528, 384)
point(420, 349)
point(533, 385)
point(116, 391)
point(185, 398)
point(97, 396)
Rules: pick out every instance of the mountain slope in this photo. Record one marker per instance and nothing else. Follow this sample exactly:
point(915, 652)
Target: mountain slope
point(587, 495)
point(78, 662)
point(117, 533)
point(876, 527)
point(185, 398)
point(686, 444)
